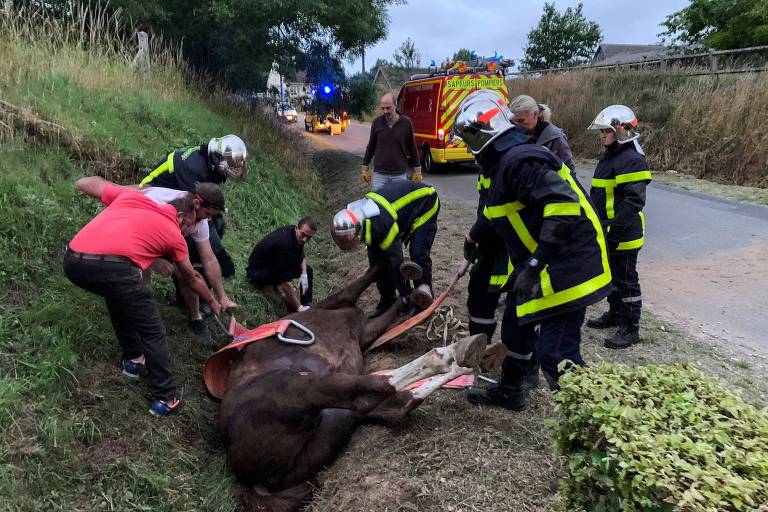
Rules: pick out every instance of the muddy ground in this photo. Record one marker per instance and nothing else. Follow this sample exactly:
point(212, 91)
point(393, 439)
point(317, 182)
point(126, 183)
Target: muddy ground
point(448, 455)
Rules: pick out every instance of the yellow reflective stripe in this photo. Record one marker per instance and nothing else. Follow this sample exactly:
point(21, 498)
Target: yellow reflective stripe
point(165, 166)
point(483, 183)
point(564, 172)
point(501, 279)
point(502, 210)
point(510, 211)
point(585, 288)
point(633, 176)
point(553, 209)
point(411, 197)
point(546, 283)
point(420, 220)
point(368, 232)
point(393, 232)
point(381, 201)
point(634, 244)
point(564, 296)
point(608, 185)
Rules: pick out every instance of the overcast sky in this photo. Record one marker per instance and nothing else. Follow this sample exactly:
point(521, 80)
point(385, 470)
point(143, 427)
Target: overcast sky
point(439, 28)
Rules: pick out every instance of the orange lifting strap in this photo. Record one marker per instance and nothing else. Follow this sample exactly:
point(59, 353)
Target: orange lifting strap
point(216, 370)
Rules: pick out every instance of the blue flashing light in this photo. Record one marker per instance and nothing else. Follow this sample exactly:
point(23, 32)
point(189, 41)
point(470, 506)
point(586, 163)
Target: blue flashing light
point(327, 89)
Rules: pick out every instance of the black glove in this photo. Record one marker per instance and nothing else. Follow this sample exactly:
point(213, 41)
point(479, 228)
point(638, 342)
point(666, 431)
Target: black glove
point(470, 251)
point(528, 283)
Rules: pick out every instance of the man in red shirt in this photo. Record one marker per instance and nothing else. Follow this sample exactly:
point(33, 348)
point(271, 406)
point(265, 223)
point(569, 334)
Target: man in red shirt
point(108, 257)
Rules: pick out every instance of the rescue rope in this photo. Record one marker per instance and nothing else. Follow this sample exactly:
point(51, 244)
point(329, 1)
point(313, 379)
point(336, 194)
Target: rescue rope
point(442, 325)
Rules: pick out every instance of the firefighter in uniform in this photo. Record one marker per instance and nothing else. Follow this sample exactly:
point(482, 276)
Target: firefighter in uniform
point(554, 240)
point(399, 213)
point(214, 162)
point(618, 193)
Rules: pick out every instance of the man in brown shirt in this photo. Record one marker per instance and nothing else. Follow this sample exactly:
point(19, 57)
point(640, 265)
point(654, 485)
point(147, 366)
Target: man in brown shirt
point(392, 147)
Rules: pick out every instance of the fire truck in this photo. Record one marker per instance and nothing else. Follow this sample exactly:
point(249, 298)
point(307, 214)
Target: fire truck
point(431, 101)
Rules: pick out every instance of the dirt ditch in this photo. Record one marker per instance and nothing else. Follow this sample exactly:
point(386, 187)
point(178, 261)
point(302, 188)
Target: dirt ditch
point(448, 455)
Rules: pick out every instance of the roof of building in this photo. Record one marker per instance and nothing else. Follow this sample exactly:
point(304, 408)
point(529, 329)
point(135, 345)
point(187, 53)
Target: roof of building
point(623, 53)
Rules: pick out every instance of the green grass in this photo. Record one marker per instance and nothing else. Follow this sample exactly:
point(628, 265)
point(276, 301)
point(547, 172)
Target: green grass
point(74, 434)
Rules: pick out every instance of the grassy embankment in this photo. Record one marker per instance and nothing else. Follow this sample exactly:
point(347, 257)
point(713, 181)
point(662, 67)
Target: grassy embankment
point(711, 128)
point(74, 435)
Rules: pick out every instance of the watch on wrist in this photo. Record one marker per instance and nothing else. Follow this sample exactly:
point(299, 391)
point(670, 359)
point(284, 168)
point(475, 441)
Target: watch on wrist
point(534, 263)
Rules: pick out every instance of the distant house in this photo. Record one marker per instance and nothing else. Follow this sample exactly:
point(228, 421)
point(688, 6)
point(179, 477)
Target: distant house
point(391, 79)
point(607, 54)
point(296, 90)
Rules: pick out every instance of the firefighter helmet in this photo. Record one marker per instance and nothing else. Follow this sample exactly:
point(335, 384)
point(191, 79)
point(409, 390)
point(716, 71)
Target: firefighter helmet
point(228, 155)
point(481, 118)
point(346, 229)
point(615, 116)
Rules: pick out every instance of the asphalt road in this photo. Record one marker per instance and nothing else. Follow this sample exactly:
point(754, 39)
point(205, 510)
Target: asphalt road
point(703, 265)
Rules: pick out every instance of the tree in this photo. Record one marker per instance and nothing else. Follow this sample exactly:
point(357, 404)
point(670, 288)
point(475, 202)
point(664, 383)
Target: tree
point(462, 54)
point(719, 24)
point(407, 56)
point(237, 41)
point(362, 95)
point(561, 39)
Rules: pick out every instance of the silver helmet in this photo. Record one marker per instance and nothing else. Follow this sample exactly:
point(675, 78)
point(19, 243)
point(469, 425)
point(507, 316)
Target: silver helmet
point(347, 223)
point(228, 155)
point(481, 118)
point(615, 116)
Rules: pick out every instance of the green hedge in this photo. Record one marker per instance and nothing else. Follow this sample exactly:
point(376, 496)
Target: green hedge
point(658, 438)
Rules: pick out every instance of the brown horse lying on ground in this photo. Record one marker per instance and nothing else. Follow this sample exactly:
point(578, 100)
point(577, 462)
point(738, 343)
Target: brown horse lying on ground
point(288, 410)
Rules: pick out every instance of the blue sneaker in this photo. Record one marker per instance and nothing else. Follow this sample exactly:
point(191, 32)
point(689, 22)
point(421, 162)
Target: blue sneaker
point(132, 368)
point(162, 408)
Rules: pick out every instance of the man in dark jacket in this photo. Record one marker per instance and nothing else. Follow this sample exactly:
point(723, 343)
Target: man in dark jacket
point(400, 213)
point(618, 193)
point(554, 240)
point(279, 257)
point(392, 147)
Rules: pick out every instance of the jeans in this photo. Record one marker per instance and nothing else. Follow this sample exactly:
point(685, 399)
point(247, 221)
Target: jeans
point(135, 319)
point(380, 179)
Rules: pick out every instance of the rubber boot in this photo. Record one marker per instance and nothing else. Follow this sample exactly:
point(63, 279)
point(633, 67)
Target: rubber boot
point(509, 396)
point(625, 337)
point(604, 321)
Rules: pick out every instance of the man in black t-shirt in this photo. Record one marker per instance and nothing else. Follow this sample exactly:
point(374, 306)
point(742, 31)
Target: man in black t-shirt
point(279, 257)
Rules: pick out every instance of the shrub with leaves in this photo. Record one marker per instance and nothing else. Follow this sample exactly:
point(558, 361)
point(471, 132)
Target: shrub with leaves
point(657, 438)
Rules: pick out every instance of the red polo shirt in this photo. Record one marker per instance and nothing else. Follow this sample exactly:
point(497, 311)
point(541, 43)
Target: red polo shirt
point(133, 226)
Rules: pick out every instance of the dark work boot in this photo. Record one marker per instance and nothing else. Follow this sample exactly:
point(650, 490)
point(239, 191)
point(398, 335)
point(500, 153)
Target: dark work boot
point(626, 336)
point(531, 380)
point(604, 321)
point(512, 397)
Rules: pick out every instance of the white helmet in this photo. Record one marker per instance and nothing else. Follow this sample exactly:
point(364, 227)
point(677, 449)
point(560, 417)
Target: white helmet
point(347, 223)
point(228, 155)
point(481, 118)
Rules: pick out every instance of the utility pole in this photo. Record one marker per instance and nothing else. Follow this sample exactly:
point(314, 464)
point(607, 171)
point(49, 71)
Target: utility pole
point(363, 55)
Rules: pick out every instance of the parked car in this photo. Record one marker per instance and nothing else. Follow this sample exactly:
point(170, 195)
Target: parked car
point(286, 111)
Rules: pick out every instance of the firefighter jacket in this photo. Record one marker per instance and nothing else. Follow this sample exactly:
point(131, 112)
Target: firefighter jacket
point(618, 193)
point(489, 245)
point(183, 168)
point(404, 206)
point(538, 209)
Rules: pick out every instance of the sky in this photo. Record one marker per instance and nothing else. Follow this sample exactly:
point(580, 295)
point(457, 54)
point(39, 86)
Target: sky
point(439, 28)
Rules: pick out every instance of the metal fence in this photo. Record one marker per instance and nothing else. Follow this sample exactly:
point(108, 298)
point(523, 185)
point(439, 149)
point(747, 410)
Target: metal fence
point(723, 62)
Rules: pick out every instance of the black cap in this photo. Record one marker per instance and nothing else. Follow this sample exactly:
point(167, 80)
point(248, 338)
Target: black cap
point(210, 195)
